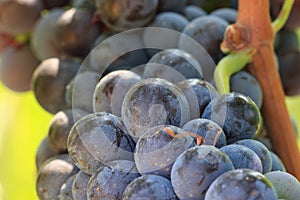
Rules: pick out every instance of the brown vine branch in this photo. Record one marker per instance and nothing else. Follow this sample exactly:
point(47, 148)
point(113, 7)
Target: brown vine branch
point(254, 30)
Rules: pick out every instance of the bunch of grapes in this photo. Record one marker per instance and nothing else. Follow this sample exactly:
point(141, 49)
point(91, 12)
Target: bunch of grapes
point(136, 111)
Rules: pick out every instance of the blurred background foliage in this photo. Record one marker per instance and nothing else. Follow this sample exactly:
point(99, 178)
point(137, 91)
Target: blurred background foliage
point(23, 124)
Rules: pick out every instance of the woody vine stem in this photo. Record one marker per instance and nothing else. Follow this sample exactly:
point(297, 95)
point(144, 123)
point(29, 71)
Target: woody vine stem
point(250, 41)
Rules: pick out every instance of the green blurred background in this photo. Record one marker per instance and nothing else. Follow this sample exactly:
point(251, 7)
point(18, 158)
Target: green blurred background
point(23, 124)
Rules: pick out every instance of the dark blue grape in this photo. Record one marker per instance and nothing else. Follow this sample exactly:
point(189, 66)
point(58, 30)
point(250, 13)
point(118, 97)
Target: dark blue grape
point(242, 157)
point(120, 15)
point(44, 152)
point(149, 187)
point(246, 84)
point(261, 150)
point(229, 14)
point(66, 190)
point(97, 139)
point(199, 94)
point(60, 127)
point(196, 168)
point(111, 90)
point(192, 12)
point(173, 65)
point(75, 33)
point(117, 51)
point(208, 31)
point(289, 71)
point(167, 20)
point(80, 184)
point(286, 185)
point(109, 182)
point(237, 114)
point(157, 150)
point(170, 20)
point(153, 102)
point(52, 175)
point(277, 164)
point(210, 131)
point(241, 184)
point(287, 41)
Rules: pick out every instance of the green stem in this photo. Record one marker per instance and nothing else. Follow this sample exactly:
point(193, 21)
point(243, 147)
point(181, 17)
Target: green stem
point(229, 65)
point(283, 16)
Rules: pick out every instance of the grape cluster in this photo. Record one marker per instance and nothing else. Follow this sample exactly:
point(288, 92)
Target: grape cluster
point(136, 113)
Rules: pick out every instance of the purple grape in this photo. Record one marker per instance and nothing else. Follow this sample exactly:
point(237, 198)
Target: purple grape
point(120, 15)
point(44, 152)
point(18, 17)
point(210, 131)
point(109, 182)
point(173, 65)
point(286, 185)
point(195, 170)
point(99, 137)
point(241, 184)
point(277, 164)
point(242, 157)
point(237, 114)
point(191, 12)
point(152, 187)
point(80, 185)
point(49, 82)
point(80, 90)
point(66, 190)
point(157, 149)
point(60, 127)
point(208, 31)
point(246, 84)
point(261, 150)
point(199, 94)
point(17, 67)
point(52, 175)
point(43, 35)
point(75, 32)
point(229, 14)
point(111, 90)
point(153, 102)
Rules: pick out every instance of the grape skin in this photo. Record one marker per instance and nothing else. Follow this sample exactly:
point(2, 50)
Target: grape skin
point(241, 184)
point(17, 67)
point(210, 131)
point(55, 172)
point(158, 101)
point(242, 157)
point(286, 185)
point(120, 15)
point(149, 187)
point(80, 184)
point(43, 35)
point(109, 182)
point(196, 168)
point(157, 150)
point(261, 150)
point(49, 82)
point(111, 90)
point(18, 17)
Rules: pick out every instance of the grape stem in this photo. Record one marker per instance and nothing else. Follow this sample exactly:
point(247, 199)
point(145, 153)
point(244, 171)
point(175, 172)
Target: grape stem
point(254, 30)
point(283, 16)
point(229, 65)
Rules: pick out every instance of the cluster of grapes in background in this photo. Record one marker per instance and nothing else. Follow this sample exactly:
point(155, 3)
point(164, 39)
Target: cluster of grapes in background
point(136, 113)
